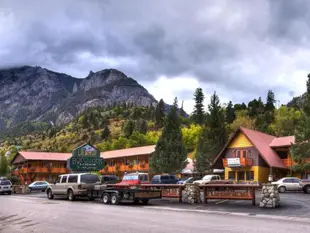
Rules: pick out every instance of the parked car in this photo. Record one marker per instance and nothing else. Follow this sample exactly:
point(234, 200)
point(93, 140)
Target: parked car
point(288, 184)
point(5, 186)
point(305, 185)
point(187, 180)
point(38, 186)
point(164, 179)
point(73, 185)
point(212, 179)
point(109, 179)
point(135, 179)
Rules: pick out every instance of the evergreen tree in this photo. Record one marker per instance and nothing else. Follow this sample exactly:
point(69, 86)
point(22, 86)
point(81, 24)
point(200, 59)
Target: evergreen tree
point(230, 113)
point(170, 153)
point(301, 149)
point(105, 133)
point(141, 126)
point(270, 101)
point(266, 116)
point(239, 107)
point(160, 113)
point(198, 113)
point(4, 166)
point(213, 136)
point(128, 128)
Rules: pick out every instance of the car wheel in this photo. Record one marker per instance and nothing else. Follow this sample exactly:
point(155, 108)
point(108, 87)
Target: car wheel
point(114, 199)
point(9, 193)
point(105, 199)
point(282, 189)
point(71, 196)
point(50, 194)
point(145, 201)
point(307, 189)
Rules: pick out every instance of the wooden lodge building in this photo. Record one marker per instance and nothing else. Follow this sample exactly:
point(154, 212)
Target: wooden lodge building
point(33, 166)
point(251, 155)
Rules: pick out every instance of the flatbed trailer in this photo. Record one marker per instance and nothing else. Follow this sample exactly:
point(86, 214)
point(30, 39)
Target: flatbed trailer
point(115, 195)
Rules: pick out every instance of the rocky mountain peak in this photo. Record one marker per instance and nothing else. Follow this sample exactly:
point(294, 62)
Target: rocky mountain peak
point(38, 94)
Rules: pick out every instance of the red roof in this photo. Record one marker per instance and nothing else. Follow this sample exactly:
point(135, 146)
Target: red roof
point(29, 155)
point(282, 141)
point(261, 142)
point(144, 150)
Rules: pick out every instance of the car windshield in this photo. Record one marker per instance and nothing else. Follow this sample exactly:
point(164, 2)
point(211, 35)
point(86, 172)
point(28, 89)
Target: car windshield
point(183, 179)
point(89, 178)
point(131, 177)
point(5, 182)
point(207, 177)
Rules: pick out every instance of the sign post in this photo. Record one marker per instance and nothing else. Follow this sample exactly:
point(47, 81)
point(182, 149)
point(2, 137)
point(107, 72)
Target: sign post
point(85, 158)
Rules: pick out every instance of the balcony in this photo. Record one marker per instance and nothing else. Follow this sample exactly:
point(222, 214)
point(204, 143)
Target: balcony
point(123, 168)
point(40, 170)
point(237, 162)
point(288, 162)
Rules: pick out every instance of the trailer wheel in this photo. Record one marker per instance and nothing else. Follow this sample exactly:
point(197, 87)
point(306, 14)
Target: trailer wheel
point(136, 201)
point(145, 201)
point(114, 199)
point(105, 198)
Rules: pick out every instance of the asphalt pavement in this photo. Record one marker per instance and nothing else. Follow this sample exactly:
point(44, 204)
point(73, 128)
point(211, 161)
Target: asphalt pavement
point(35, 213)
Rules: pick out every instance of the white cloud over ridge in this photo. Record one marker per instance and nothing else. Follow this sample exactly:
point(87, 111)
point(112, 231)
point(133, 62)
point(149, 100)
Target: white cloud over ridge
point(238, 49)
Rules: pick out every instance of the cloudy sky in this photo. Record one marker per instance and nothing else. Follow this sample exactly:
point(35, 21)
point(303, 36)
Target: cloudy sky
point(239, 49)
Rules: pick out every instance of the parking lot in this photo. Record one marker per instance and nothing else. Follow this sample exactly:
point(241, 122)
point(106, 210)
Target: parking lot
point(294, 204)
point(35, 213)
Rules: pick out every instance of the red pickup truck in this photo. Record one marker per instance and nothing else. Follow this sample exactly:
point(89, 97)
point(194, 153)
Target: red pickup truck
point(134, 179)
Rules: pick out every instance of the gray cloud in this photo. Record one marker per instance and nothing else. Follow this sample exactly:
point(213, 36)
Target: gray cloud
point(237, 48)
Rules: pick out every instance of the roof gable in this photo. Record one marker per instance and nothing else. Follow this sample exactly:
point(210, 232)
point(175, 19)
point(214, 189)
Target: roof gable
point(239, 141)
point(18, 158)
point(282, 141)
point(261, 142)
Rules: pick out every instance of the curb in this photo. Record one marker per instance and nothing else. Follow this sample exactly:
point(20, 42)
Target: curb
point(262, 216)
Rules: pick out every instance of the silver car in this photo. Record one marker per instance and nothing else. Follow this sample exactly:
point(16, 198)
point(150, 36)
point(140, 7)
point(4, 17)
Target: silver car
point(72, 185)
point(5, 187)
point(288, 184)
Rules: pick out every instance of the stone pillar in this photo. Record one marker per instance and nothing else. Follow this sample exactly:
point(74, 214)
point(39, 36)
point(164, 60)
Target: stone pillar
point(192, 194)
point(270, 196)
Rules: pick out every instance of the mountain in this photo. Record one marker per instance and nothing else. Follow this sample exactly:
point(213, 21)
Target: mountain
point(297, 102)
point(37, 94)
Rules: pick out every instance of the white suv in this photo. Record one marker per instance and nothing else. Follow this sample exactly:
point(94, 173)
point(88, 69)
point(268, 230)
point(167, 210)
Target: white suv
point(73, 185)
point(5, 187)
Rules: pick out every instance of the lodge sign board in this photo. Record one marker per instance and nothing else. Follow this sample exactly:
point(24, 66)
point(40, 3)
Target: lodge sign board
point(86, 158)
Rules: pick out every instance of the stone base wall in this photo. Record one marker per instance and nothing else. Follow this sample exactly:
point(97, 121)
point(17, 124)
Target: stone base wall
point(192, 194)
point(270, 196)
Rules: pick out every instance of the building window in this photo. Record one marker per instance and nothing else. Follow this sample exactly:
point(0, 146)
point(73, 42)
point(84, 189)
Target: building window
point(127, 162)
point(250, 175)
point(231, 175)
point(111, 163)
point(241, 175)
point(241, 153)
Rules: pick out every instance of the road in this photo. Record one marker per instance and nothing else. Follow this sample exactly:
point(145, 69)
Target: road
point(19, 213)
